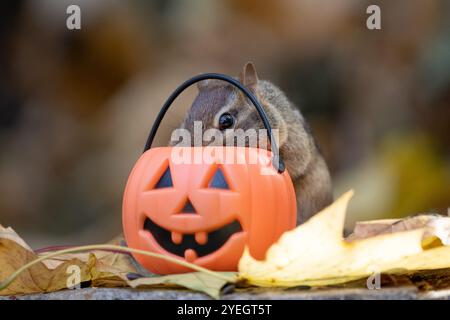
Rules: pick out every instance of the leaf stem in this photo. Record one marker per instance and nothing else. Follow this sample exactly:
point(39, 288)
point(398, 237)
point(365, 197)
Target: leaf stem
point(5, 283)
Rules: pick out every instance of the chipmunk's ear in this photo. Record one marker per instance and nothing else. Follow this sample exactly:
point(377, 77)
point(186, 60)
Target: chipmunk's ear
point(248, 76)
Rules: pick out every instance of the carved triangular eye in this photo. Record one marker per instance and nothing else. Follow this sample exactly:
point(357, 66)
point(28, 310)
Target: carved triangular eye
point(218, 181)
point(165, 181)
point(188, 208)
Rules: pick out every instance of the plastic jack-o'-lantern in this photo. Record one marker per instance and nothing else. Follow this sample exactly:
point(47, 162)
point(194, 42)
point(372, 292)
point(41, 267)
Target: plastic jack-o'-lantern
point(207, 212)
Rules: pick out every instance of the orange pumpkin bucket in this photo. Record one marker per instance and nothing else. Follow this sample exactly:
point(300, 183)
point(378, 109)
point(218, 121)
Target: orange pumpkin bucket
point(206, 212)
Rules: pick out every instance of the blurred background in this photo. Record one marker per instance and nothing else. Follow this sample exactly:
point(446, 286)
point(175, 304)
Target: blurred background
point(76, 106)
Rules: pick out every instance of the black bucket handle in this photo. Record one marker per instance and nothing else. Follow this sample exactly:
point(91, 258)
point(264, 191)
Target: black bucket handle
point(277, 162)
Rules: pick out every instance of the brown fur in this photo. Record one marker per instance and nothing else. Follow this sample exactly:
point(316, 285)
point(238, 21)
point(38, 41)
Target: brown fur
point(298, 148)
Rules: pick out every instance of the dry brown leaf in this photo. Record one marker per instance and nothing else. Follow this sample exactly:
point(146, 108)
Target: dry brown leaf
point(102, 268)
point(9, 233)
point(110, 268)
point(37, 278)
point(59, 277)
point(435, 225)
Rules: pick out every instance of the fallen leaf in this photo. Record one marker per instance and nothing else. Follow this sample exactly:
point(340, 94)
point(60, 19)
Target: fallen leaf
point(197, 281)
point(59, 278)
point(37, 278)
point(101, 268)
point(316, 253)
point(110, 267)
point(9, 233)
point(435, 225)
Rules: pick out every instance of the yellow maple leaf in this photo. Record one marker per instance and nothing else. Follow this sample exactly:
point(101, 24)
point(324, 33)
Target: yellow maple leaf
point(316, 253)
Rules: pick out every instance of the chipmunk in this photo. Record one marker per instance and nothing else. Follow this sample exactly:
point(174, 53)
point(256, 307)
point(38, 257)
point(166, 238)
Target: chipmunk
point(220, 105)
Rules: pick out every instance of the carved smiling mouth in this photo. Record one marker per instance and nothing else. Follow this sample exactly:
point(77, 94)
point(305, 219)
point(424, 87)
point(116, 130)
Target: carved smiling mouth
point(202, 243)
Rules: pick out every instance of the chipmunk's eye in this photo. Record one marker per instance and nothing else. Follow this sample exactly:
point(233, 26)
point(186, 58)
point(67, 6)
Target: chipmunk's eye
point(226, 121)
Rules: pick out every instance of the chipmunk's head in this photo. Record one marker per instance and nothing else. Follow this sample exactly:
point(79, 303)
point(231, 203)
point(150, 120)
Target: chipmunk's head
point(223, 108)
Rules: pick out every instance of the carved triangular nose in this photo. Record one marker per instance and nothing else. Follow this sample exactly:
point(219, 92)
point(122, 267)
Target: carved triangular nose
point(188, 208)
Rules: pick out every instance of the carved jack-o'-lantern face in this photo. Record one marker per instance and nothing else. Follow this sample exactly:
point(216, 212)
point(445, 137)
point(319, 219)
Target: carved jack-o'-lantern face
point(205, 213)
